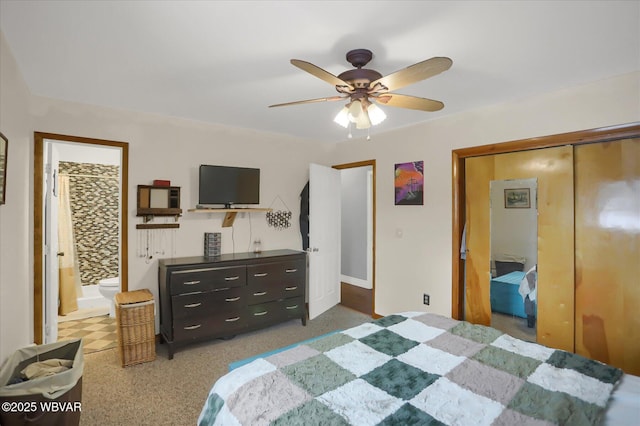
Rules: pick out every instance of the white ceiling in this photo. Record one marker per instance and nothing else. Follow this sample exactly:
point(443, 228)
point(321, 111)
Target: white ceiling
point(226, 61)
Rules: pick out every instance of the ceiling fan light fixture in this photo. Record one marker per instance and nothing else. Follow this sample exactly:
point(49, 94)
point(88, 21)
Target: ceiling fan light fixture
point(363, 121)
point(376, 114)
point(355, 111)
point(343, 117)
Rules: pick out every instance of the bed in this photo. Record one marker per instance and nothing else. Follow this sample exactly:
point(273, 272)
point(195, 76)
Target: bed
point(417, 368)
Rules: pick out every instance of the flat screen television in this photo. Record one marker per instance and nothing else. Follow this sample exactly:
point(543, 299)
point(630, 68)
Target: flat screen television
point(228, 185)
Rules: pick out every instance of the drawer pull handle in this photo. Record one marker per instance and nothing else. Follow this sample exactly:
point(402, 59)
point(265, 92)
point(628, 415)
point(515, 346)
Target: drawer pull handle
point(291, 288)
point(260, 293)
point(232, 278)
point(193, 305)
point(193, 327)
point(292, 307)
point(221, 289)
point(191, 282)
point(261, 274)
point(232, 319)
point(259, 314)
point(290, 271)
point(232, 299)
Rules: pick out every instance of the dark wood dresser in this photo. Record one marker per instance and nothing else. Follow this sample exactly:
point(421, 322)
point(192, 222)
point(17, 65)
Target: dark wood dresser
point(203, 298)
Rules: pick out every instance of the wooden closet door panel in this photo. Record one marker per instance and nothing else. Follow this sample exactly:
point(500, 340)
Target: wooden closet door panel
point(553, 169)
point(608, 252)
point(478, 172)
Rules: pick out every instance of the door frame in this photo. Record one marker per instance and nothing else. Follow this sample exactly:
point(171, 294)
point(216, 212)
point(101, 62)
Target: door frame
point(38, 217)
point(458, 156)
point(371, 163)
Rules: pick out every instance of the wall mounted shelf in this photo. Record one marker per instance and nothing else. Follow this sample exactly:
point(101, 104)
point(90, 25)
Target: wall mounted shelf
point(157, 225)
point(230, 214)
point(158, 201)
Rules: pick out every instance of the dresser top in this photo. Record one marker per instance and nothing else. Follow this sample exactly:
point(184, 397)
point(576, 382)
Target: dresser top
point(197, 260)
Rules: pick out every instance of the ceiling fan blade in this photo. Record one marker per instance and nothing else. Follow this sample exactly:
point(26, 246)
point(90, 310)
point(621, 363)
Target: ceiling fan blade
point(413, 73)
point(311, 101)
point(321, 74)
point(410, 102)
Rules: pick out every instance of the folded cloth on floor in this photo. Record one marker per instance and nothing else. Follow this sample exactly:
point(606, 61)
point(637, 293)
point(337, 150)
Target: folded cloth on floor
point(46, 368)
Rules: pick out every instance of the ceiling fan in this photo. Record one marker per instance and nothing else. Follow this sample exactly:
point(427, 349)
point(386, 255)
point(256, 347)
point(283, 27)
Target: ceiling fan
point(362, 87)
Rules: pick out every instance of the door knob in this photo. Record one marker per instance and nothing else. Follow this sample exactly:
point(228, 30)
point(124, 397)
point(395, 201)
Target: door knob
point(60, 253)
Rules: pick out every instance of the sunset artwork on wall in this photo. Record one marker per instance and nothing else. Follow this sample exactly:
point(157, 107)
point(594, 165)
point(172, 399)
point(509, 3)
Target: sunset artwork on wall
point(409, 183)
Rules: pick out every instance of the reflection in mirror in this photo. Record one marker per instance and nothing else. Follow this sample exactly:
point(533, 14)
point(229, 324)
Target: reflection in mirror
point(514, 257)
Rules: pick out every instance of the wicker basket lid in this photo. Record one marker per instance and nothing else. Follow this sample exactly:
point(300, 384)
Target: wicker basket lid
point(136, 296)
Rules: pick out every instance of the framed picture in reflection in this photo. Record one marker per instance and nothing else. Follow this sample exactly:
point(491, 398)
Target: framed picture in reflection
point(519, 198)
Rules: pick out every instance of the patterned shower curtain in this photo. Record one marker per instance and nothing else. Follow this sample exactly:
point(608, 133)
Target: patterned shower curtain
point(69, 274)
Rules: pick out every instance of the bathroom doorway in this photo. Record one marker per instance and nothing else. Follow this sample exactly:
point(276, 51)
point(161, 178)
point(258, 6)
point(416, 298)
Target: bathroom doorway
point(357, 240)
point(81, 185)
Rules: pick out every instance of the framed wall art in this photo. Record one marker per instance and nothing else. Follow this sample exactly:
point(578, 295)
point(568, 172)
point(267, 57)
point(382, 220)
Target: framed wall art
point(409, 184)
point(517, 198)
point(4, 149)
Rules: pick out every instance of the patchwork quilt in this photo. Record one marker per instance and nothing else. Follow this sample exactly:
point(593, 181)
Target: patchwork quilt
point(414, 369)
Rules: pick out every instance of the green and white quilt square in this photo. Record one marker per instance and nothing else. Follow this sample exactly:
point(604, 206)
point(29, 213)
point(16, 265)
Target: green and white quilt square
point(456, 345)
point(454, 405)
point(361, 403)
point(388, 342)
point(399, 379)
point(415, 330)
point(318, 374)
point(251, 407)
point(430, 359)
point(486, 381)
point(367, 359)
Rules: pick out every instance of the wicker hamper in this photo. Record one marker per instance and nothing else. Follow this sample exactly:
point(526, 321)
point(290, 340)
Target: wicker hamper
point(135, 317)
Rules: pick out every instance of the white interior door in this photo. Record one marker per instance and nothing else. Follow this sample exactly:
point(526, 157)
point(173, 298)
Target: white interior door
point(324, 239)
point(51, 245)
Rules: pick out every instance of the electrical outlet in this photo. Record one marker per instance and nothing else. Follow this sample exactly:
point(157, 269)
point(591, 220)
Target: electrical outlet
point(425, 299)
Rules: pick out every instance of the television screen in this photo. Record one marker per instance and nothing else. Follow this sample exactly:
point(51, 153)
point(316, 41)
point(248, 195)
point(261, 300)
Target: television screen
point(229, 185)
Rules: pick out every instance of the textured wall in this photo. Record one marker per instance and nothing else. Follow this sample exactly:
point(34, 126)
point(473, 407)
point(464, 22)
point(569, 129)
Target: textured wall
point(94, 208)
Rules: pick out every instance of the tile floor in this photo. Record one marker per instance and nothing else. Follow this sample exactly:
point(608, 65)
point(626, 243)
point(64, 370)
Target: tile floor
point(97, 333)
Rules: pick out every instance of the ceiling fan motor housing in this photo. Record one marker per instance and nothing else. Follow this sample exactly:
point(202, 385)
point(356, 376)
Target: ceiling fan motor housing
point(359, 77)
point(359, 57)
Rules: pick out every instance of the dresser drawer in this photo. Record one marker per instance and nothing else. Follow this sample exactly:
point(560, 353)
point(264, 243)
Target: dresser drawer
point(197, 305)
point(218, 324)
point(205, 279)
point(289, 271)
point(276, 311)
point(272, 281)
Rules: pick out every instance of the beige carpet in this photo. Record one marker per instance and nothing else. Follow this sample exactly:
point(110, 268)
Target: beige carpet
point(173, 392)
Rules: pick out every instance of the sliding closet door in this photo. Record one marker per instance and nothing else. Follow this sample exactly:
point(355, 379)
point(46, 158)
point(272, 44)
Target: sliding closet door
point(608, 252)
point(553, 169)
point(479, 171)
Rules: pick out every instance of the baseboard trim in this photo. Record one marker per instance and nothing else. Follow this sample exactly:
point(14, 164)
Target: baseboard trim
point(357, 298)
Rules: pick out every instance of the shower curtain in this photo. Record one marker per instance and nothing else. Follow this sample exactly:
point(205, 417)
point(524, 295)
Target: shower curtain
point(69, 274)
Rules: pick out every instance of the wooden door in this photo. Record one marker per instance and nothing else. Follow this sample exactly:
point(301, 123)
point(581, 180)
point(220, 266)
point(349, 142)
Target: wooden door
point(607, 185)
point(553, 168)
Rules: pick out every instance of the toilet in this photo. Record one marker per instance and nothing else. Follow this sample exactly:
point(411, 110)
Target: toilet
point(108, 288)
